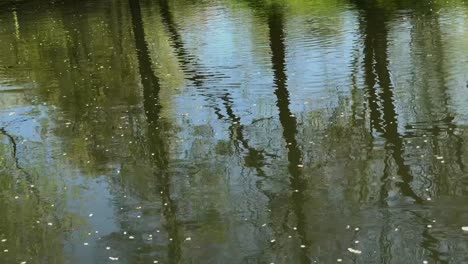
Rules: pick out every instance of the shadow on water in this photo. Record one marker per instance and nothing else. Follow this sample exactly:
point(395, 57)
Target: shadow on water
point(381, 104)
point(157, 144)
point(384, 120)
point(287, 119)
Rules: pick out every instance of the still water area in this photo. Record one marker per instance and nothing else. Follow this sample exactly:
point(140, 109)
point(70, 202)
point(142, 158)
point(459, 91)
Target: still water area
point(220, 131)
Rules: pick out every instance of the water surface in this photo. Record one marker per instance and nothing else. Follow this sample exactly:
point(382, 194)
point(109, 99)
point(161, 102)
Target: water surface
point(218, 131)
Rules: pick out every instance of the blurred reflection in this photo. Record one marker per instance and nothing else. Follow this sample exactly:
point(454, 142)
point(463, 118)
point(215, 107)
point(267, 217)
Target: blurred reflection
point(233, 132)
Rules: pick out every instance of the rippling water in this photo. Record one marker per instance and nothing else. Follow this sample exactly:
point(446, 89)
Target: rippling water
point(218, 131)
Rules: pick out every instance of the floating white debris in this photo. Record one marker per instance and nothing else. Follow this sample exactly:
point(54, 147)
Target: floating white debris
point(300, 165)
point(354, 251)
point(90, 215)
point(356, 242)
point(272, 241)
point(23, 262)
point(465, 228)
point(131, 237)
point(188, 239)
point(49, 224)
point(295, 228)
point(356, 229)
point(108, 248)
point(113, 258)
point(6, 250)
point(4, 240)
point(429, 226)
point(339, 260)
point(155, 261)
point(425, 262)
point(16, 197)
point(85, 243)
point(264, 225)
point(303, 246)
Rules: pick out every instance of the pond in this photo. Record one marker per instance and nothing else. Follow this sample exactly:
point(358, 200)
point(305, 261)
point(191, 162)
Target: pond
point(219, 131)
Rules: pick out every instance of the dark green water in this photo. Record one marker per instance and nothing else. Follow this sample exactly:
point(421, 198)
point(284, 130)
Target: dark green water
point(219, 131)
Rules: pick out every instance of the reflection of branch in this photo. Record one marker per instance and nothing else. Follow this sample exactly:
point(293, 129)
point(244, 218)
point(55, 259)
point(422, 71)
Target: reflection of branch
point(189, 64)
point(384, 115)
point(288, 120)
point(152, 107)
point(237, 130)
point(29, 177)
point(14, 154)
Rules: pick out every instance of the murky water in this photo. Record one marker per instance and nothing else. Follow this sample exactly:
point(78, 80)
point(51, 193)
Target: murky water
point(218, 131)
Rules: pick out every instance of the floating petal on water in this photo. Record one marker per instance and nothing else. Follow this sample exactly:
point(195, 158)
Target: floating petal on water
point(354, 251)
